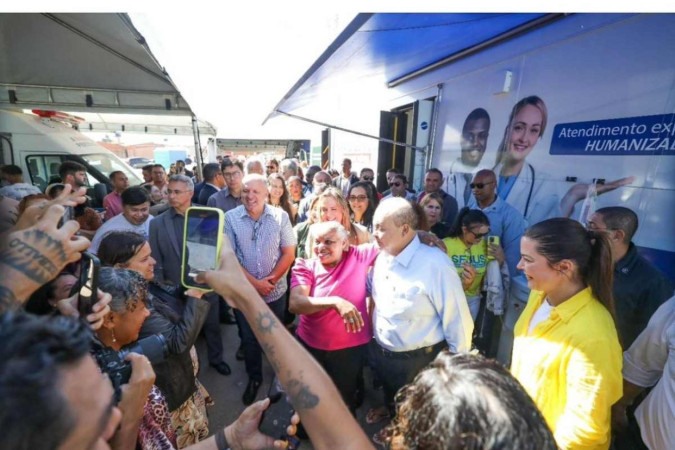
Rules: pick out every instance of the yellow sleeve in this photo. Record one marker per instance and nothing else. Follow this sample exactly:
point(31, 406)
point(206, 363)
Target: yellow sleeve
point(594, 383)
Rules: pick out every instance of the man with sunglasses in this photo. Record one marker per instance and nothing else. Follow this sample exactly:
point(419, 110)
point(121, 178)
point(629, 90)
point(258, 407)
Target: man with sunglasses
point(398, 187)
point(264, 242)
point(505, 221)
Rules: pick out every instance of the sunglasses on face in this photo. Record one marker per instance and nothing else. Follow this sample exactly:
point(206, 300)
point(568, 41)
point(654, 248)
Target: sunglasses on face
point(396, 183)
point(479, 185)
point(479, 235)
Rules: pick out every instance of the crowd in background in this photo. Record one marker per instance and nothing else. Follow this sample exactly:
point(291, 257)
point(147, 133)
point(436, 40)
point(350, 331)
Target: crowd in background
point(320, 266)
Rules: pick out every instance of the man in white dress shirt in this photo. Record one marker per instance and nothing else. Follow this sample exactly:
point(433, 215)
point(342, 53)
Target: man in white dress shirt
point(419, 304)
point(650, 361)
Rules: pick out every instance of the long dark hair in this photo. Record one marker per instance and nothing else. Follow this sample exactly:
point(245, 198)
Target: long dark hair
point(118, 247)
point(367, 219)
point(284, 201)
point(561, 238)
point(467, 217)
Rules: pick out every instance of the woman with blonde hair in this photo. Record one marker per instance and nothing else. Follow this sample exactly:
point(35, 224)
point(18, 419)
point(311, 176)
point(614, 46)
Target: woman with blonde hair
point(518, 183)
point(331, 205)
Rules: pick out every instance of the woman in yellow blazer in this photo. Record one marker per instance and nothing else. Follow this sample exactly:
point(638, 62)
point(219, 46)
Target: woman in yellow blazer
point(566, 350)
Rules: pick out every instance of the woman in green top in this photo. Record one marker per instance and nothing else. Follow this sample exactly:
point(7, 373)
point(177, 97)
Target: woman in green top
point(468, 251)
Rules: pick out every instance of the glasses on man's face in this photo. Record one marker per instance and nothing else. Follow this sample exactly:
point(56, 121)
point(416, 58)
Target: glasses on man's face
point(395, 183)
point(479, 185)
point(358, 198)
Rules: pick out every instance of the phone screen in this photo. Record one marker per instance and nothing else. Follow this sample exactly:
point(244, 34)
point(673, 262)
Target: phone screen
point(201, 244)
point(87, 285)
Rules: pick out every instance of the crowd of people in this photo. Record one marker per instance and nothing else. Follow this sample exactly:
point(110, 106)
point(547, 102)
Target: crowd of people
point(335, 283)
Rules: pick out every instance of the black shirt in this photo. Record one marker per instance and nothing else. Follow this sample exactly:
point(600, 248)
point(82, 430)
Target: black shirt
point(639, 289)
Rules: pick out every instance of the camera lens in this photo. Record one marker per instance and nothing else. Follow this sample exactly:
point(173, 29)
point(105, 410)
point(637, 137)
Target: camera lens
point(153, 347)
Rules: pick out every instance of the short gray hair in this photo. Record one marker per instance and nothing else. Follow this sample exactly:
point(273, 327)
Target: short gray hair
point(399, 210)
point(323, 228)
point(254, 177)
point(288, 164)
point(126, 287)
point(251, 161)
point(183, 179)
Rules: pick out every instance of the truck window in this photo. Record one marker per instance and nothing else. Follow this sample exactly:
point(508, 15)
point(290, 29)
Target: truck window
point(105, 164)
point(43, 170)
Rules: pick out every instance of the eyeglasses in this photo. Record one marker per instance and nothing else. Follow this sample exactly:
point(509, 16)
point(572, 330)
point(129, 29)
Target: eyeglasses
point(479, 185)
point(358, 198)
point(479, 235)
point(396, 183)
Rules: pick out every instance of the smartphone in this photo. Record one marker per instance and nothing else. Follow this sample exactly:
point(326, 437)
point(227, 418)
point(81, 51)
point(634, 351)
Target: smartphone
point(87, 285)
point(492, 240)
point(277, 417)
point(202, 238)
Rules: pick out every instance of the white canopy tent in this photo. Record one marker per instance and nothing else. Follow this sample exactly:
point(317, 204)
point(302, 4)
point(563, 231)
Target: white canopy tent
point(97, 66)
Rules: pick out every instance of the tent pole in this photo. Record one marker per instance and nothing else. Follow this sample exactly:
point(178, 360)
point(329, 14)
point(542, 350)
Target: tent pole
point(198, 148)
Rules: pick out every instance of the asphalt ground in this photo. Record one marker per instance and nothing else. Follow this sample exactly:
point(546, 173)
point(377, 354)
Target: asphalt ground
point(226, 391)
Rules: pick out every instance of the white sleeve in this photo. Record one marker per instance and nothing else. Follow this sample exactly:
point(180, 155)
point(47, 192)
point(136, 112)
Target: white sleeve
point(644, 361)
point(454, 309)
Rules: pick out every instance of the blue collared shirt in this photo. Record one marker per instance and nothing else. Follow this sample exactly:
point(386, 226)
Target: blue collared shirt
point(419, 300)
point(223, 200)
point(258, 243)
point(507, 223)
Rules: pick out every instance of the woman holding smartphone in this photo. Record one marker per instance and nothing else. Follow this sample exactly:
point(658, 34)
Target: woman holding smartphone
point(468, 251)
point(176, 377)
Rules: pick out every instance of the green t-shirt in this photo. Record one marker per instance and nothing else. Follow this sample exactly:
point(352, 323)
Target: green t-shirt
point(476, 255)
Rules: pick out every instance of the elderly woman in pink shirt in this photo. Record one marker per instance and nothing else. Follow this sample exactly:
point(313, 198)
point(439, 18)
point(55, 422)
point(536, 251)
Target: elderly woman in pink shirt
point(329, 293)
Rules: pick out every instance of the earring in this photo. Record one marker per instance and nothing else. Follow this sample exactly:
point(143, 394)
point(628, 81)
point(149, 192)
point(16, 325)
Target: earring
point(112, 331)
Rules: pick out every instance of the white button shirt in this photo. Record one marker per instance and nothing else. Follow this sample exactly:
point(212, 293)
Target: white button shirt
point(650, 361)
point(419, 301)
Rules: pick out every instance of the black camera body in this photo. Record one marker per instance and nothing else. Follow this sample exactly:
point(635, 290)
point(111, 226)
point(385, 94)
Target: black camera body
point(112, 362)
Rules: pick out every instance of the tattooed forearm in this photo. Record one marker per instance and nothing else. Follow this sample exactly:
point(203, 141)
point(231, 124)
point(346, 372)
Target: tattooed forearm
point(8, 300)
point(28, 260)
point(300, 395)
point(267, 322)
point(270, 353)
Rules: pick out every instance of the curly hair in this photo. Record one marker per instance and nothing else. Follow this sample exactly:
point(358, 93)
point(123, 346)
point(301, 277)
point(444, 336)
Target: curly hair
point(464, 401)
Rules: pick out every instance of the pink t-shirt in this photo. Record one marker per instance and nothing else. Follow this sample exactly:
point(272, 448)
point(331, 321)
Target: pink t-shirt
point(325, 330)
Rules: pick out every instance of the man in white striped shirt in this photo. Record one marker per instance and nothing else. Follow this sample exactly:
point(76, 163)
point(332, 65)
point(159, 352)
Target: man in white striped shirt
point(264, 242)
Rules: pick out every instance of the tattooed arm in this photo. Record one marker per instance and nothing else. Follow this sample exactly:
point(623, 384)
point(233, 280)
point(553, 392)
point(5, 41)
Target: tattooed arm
point(322, 411)
point(33, 256)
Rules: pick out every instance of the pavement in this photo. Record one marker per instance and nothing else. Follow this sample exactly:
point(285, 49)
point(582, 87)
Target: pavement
point(226, 391)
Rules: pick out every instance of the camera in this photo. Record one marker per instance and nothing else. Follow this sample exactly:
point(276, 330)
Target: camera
point(112, 362)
